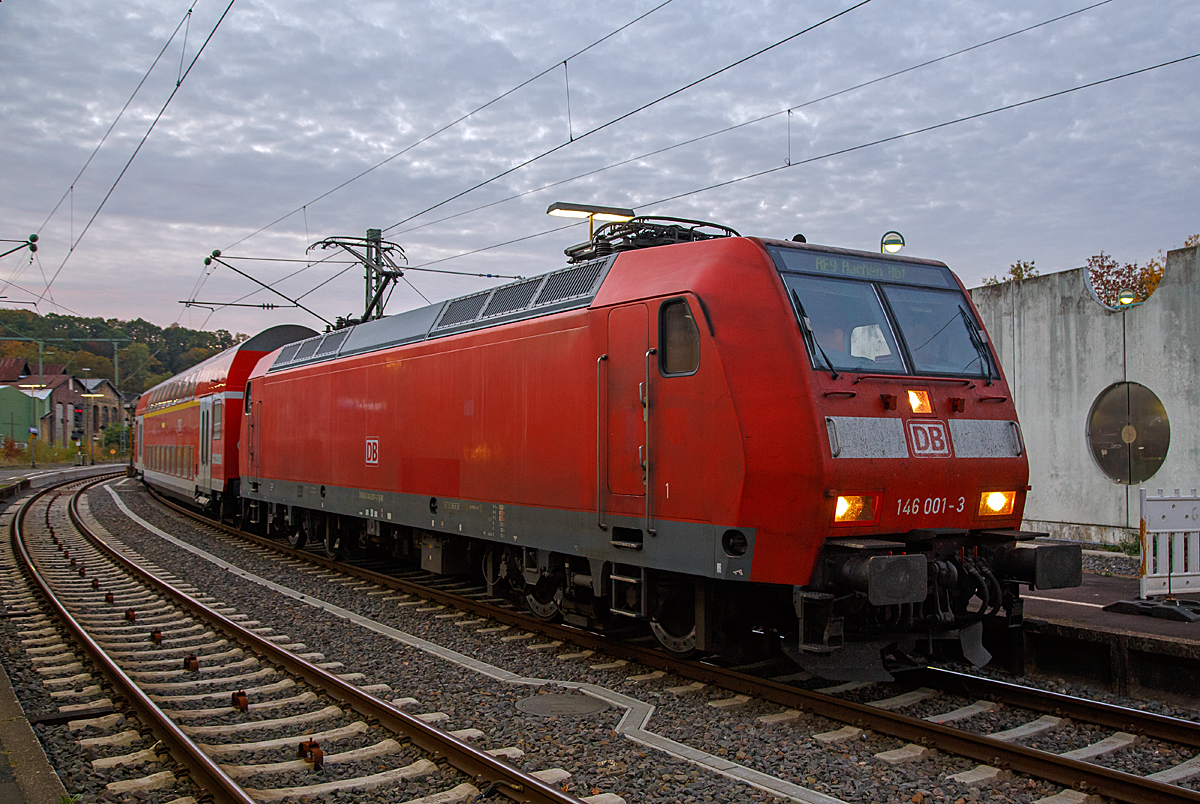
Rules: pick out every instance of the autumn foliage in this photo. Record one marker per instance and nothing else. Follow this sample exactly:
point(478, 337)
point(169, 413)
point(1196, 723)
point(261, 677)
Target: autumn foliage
point(1108, 277)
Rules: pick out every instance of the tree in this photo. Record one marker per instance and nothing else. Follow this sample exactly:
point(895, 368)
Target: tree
point(1109, 278)
point(148, 353)
point(1017, 271)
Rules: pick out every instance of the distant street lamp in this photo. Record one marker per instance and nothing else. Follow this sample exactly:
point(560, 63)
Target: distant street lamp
point(1126, 297)
point(593, 213)
point(891, 242)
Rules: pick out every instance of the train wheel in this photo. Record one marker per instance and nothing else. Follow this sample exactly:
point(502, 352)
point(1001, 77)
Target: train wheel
point(333, 540)
point(297, 535)
point(675, 625)
point(545, 599)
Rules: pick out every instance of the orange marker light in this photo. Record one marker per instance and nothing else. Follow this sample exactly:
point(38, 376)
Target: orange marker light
point(997, 503)
point(854, 509)
point(919, 402)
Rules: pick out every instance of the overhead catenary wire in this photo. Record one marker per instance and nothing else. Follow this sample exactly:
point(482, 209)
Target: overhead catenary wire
point(138, 149)
point(353, 262)
point(202, 278)
point(631, 113)
point(851, 149)
point(187, 15)
point(452, 123)
point(758, 119)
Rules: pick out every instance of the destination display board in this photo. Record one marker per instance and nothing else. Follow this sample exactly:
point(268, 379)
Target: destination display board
point(881, 270)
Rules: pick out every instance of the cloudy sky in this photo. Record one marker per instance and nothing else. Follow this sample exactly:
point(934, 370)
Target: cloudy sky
point(292, 98)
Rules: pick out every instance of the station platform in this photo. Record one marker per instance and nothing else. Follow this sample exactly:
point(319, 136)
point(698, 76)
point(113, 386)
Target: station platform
point(25, 773)
point(1067, 633)
point(1084, 607)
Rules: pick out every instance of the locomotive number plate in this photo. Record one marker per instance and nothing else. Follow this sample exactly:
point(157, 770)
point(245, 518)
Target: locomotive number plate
point(930, 505)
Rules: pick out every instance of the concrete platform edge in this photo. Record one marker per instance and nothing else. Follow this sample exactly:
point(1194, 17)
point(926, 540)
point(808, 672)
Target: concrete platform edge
point(36, 780)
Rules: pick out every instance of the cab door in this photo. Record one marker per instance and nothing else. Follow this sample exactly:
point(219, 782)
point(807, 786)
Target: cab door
point(628, 338)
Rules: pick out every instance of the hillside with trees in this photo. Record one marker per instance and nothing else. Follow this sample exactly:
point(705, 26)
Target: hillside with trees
point(147, 354)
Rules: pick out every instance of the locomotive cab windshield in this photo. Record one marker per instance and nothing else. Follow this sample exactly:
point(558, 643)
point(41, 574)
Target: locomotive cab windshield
point(882, 316)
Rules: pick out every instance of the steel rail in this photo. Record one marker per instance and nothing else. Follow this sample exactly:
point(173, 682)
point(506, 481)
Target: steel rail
point(1161, 727)
point(479, 765)
point(206, 773)
point(1040, 764)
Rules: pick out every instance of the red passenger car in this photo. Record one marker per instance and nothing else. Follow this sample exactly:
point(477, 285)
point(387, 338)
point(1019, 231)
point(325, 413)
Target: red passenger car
point(187, 436)
point(745, 443)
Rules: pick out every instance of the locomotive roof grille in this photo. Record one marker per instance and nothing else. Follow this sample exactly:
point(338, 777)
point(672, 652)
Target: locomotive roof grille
point(512, 297)
point(565, 289)
point(571, 282)
point(462, 310)
point(288, 353)
point(308, 348)
point(332, 342)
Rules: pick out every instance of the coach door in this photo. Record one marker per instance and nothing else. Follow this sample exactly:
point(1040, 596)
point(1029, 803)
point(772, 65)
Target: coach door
point(204, 477)
point(622, 375)
point(253, 414)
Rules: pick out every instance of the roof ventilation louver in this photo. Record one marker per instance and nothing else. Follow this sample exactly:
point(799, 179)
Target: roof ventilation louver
point(287, 354)
point(308, 348)
point(512, 297)
point(332, 342)
point(576, 281)
point(460, 311)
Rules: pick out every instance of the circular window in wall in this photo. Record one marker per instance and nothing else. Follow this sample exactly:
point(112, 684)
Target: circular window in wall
point(1128, 432)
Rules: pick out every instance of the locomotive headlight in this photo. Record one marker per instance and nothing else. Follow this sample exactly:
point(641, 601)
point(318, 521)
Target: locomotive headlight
point(997, 503)
point(919, 402)
point(858, 508)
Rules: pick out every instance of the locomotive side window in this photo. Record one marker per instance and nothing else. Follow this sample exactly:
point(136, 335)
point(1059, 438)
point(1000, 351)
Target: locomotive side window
point(247, 404)
point(679, 339)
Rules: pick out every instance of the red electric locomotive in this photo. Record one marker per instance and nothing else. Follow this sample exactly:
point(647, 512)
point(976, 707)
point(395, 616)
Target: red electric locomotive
point(740, 441)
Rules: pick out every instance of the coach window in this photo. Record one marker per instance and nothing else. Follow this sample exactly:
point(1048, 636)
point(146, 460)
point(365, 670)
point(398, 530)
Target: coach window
point(678, 339)
point(247, 395)
point(216, 419)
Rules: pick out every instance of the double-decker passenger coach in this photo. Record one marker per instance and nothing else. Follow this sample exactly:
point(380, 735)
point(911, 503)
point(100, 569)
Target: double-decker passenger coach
point(188, 427)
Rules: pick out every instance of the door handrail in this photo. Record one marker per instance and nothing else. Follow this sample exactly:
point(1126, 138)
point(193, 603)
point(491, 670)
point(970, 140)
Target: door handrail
point(600, 443)
point(647, 474)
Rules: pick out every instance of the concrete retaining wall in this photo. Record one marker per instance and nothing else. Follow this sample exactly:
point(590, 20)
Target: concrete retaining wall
point(1060, 348)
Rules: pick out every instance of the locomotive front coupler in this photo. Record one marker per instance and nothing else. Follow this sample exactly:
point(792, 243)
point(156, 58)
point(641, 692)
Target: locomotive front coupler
point(877, 568)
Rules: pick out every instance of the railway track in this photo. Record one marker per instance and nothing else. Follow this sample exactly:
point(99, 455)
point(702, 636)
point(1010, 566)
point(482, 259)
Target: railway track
point(179, 695)
point(957, 714)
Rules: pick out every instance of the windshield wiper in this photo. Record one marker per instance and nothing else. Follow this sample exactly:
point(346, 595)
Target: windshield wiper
point(977, 340)
point(806, 325)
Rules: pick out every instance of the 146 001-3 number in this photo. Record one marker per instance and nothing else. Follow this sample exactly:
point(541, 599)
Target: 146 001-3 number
point(929, 505)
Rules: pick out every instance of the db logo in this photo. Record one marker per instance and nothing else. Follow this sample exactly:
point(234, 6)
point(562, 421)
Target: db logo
point(928, 439)
point(372, 452)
